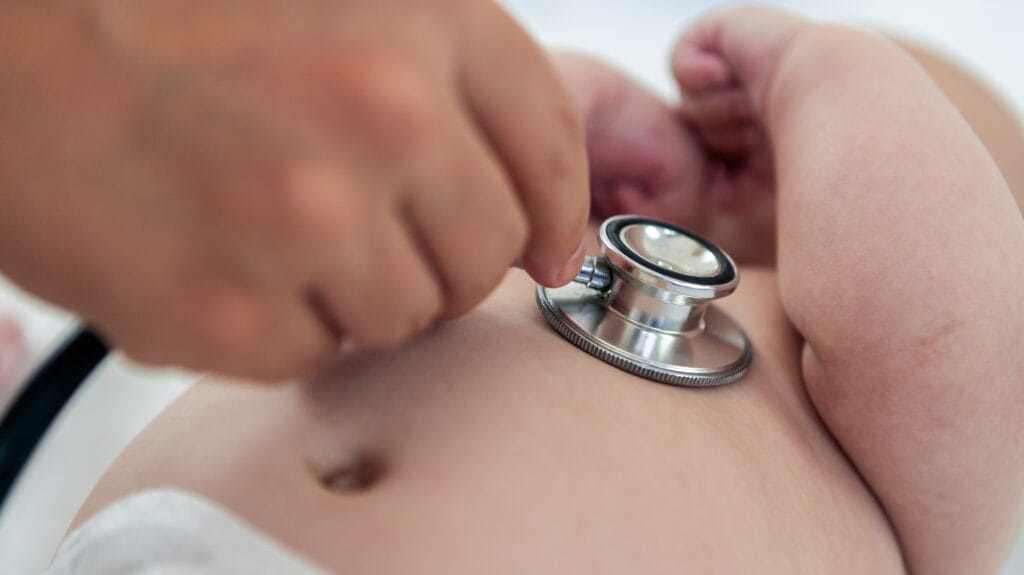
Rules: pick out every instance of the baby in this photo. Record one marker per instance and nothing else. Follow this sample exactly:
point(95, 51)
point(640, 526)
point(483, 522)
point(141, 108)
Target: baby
point(649, 159)
point(884, 195)
point(879, 429)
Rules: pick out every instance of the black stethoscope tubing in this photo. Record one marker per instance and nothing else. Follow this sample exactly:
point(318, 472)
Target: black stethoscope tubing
point(41, 400)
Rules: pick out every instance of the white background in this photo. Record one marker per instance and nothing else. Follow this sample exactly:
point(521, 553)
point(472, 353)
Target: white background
point(637, 34)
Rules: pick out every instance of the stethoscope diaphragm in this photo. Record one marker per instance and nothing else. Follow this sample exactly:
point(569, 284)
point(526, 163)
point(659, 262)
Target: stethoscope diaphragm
point(644, 305)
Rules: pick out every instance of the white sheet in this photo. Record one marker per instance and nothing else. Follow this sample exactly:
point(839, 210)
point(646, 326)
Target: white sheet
point(171, 531)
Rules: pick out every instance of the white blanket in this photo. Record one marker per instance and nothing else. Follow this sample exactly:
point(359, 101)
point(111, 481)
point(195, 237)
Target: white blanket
point(168, 531)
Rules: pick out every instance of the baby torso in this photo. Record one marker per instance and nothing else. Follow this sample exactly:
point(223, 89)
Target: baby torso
point(492, 445)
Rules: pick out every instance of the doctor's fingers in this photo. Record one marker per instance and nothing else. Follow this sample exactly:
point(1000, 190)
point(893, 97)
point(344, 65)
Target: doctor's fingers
point(228, 329)
point(517, 100)
point(466, 216)
point(372, 285)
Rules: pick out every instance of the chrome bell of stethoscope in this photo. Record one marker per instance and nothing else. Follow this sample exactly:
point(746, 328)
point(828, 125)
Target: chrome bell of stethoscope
point(644, 305)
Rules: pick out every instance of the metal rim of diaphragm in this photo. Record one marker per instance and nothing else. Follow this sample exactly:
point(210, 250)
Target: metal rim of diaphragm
point(718, 354)
point(631, 264)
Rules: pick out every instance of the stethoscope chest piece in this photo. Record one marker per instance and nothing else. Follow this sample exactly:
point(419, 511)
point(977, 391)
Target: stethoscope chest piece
point(644, 305)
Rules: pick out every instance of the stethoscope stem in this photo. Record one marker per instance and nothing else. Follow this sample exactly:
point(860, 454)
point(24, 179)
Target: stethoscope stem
point(645, 305)
point(595, 273)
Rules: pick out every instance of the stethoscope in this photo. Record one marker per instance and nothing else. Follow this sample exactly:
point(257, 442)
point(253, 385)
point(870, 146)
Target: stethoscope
point(643, 306)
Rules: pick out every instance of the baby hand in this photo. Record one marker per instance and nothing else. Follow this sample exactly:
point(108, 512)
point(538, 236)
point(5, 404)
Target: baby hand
point(706, 166)
point(724, 64)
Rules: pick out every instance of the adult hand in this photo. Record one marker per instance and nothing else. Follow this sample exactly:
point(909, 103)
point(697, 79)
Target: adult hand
point(238, 186)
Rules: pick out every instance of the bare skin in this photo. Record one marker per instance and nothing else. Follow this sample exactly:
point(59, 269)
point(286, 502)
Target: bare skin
point(497, 464)
point(644, 162)
point(877, 432)
point(996, 125)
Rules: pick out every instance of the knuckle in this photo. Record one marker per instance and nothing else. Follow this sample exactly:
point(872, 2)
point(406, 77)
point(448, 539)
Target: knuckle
point(315, 202)
point(396, 107)
point(473, 287)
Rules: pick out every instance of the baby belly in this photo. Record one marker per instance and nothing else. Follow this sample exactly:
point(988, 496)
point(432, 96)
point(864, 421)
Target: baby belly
point(494, 446)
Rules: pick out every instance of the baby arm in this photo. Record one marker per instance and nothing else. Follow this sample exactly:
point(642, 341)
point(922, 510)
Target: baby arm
point(901, 261)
